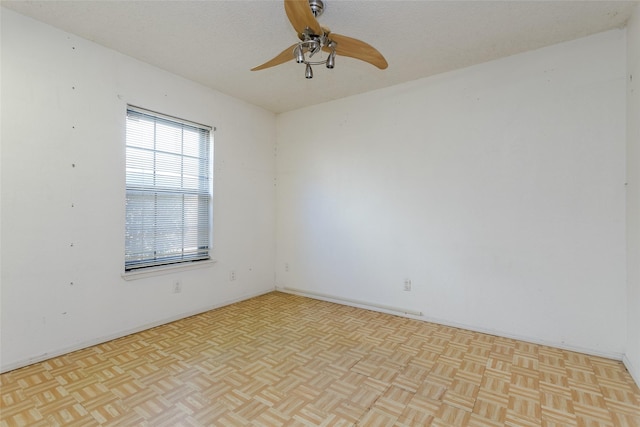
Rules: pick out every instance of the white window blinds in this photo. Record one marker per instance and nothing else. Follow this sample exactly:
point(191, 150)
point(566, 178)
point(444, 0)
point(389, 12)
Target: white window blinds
point(168, 180)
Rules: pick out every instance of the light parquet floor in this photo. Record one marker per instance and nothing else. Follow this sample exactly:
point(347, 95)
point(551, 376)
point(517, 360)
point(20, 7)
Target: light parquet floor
point(285, 360)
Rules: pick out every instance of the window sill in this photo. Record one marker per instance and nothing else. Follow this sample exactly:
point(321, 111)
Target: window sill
point(166, 269)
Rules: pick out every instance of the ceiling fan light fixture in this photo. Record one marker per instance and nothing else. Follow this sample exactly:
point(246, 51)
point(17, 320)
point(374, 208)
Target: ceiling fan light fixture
point(308, 73)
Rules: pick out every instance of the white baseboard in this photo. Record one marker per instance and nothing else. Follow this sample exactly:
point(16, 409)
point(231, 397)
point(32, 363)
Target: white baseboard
point(634, 371)
point(420, 316)
point(355, 303)
point(59, 352)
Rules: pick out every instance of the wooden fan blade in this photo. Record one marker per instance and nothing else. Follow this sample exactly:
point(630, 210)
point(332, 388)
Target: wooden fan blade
point(301, 17)
point(281, 58)
point(357, 49)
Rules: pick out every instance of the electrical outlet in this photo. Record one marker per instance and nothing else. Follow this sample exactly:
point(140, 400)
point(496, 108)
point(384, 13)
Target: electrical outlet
point(177, 287)
point(232, 275)
point(407, 284)
point(286, 267)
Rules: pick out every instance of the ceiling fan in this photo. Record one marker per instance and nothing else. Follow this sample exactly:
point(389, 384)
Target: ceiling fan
point(313, 38)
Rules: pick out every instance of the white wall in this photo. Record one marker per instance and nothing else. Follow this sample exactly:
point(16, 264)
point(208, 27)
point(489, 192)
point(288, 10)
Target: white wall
point(63, 103)
point(632, 356)
point(497, 189)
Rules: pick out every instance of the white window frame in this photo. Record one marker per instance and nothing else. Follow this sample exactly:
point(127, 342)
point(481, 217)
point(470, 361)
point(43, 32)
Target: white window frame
point(145, 255)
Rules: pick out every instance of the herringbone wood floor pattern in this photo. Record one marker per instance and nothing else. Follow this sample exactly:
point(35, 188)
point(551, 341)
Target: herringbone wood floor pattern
point(285, 360)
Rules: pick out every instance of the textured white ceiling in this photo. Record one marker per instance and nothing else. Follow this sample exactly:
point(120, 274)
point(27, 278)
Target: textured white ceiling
point(216, 42)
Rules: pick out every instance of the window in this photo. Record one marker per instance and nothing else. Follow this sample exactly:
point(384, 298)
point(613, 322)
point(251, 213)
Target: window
point(168, 179)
